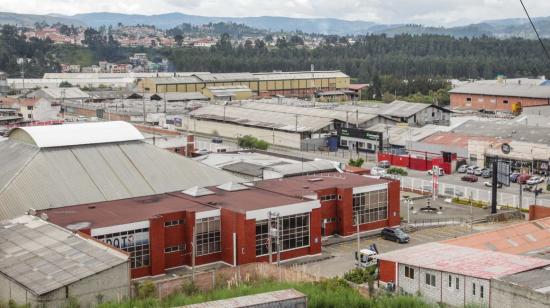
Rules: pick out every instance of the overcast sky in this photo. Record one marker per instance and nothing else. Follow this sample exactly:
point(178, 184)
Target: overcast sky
point(430, 12)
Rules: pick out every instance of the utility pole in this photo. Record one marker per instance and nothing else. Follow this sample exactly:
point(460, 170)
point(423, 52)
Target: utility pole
point(269, 248)
point(194, 253)
point(164, 103)
point(472, 213)
point(296, 129)
point(494, 186)
point(358, 240)
point(143, 102)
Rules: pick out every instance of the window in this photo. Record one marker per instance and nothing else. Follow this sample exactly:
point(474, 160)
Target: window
point(29, 116)
point(474, 288)
point(174, 248)
point(360, 145)
point(294, 233)
point(343, 142)
point(208, 235)
point(370, 206)
point(327, 198)
point(457, 281)
point(173, 223)
point(450, 281)
point(481, 291)
point(135, 242)
point(430, 279)
point(409, 272)
point(29, 107)
point(433, 114)
point(468, 99)
point(505, 101)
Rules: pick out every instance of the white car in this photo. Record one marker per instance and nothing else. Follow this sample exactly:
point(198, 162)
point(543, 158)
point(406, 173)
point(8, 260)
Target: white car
point(462, 169)
point(535, 180)
point(378, 171)
point(490, 184)
point(202, 152)
point(471, 169)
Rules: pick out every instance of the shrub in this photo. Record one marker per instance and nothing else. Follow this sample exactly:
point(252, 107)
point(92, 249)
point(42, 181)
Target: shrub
point(189, 288)
point(251, 142)
point(398, 171)
point(147, 289)
point(356, 162)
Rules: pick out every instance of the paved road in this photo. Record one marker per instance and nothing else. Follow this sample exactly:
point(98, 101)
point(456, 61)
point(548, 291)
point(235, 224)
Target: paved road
point(342, 256)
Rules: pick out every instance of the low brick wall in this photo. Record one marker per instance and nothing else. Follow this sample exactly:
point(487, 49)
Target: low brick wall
point(229, 276)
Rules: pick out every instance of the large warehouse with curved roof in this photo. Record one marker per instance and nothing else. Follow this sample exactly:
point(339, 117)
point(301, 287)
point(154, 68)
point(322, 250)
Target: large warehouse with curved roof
point(71, 164)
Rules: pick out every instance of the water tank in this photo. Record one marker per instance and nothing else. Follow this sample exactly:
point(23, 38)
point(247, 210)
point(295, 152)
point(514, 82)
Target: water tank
point(332, 143)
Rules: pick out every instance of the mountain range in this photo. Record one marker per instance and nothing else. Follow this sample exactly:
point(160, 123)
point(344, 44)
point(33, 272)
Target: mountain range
point(503, 28)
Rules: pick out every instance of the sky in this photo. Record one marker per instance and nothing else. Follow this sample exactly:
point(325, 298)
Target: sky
point(427, 12)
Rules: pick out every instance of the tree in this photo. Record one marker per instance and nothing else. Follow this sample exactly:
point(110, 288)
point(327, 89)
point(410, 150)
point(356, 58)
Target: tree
point(296, 40)
point(179, 39)
point(281, 43)
point(65, 84)
point(268, 38)
point(251, 142)
point(376, 88)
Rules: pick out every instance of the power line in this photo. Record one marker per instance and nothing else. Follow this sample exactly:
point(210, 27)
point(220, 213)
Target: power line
point(535, 29)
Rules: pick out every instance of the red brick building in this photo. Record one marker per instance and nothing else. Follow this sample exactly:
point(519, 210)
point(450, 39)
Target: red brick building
point(498, 96)
point(229, 223)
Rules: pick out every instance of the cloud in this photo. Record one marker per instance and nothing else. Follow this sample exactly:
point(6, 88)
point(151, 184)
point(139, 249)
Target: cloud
point(430, 12)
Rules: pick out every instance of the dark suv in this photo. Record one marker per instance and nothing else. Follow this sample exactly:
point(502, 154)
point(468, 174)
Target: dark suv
point(394, 234)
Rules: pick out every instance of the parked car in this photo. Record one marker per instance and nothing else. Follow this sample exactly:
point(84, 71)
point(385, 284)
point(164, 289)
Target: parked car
point(490, 184)
point(395, 234)
point(217, 140)
point(202, 152)
point(522, 179)
point(487, 173)
point(384, 164)
point(377, 171)
point(479, 171)
point(471, 169)
point(440, 172)
point(462, 169)
point(514, 177)
point(469, 178)
point(535, 180)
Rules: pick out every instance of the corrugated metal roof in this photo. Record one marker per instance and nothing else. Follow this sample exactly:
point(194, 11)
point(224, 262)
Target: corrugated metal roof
point(261, 118)
point(304, 167)
point(60, 93)
point(178, 96)
point(81, 133)
point(299, 75)
point(44, 257)
point(314, 112)
point(257, 300)
point(466, 261)
point(57, 177)
point(516, 90)
point(403, 109)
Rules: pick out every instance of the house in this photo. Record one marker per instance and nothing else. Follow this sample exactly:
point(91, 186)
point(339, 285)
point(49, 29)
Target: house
point(58, 95)
point(33, 109)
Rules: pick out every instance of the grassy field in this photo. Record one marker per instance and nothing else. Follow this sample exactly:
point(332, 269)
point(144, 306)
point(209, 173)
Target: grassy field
point(329, 293)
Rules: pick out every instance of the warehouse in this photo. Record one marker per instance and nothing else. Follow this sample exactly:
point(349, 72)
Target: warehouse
point(227, 93)
point(449, 274)
point(508, 97)
point(44, 265)
point(228, 223)
point(278, 128)
point(90, 162)
point(261, 84)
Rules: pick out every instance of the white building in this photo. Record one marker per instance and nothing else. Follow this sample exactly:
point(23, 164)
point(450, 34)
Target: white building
point(451, 274)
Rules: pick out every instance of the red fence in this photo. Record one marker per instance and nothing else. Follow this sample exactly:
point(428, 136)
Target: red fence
point(415, 163)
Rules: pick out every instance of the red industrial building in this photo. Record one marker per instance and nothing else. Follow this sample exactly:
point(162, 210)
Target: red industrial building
point(508, 97)
point(229, 222)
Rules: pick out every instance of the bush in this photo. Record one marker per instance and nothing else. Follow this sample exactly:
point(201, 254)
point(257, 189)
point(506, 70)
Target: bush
point(189, 288)
point(251, 142)
point(361, 275)
point(356, 162)
point(147, 289)
point(398, 171)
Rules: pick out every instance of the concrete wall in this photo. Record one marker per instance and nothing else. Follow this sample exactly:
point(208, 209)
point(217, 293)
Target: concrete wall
point(110, 285)
point(229, 130)
point(507, 295)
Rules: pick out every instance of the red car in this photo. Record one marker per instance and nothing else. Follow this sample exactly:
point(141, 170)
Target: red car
point(523, 178)
point(469, 178)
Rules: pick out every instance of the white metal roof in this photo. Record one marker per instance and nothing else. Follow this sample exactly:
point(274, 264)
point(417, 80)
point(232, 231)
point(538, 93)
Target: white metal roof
point(80, 134)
